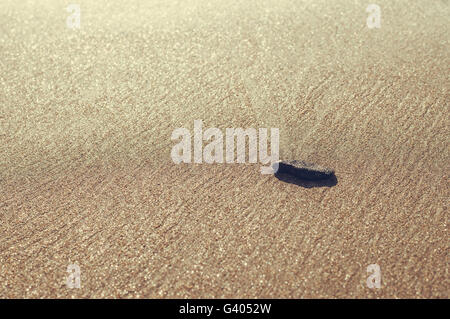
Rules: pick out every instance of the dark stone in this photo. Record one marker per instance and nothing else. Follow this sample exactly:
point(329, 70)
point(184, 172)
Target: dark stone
point(290, 179)
point(305, 171)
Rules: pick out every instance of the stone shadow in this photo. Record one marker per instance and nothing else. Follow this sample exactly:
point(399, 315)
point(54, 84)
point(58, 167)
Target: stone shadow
point(288, 178)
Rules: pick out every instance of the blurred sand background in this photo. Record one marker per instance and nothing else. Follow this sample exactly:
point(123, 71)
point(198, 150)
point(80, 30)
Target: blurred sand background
point(86, 175)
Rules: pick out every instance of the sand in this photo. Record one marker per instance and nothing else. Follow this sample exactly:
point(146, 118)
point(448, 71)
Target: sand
point(86, 175)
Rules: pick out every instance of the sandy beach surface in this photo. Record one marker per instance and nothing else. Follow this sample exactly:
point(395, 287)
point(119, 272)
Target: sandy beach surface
point(86, 176)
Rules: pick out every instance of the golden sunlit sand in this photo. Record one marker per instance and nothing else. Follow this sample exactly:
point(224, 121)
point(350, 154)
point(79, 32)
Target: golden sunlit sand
point(86, 175)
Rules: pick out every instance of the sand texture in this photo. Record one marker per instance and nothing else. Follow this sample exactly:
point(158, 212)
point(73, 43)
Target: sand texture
point(86, 175)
